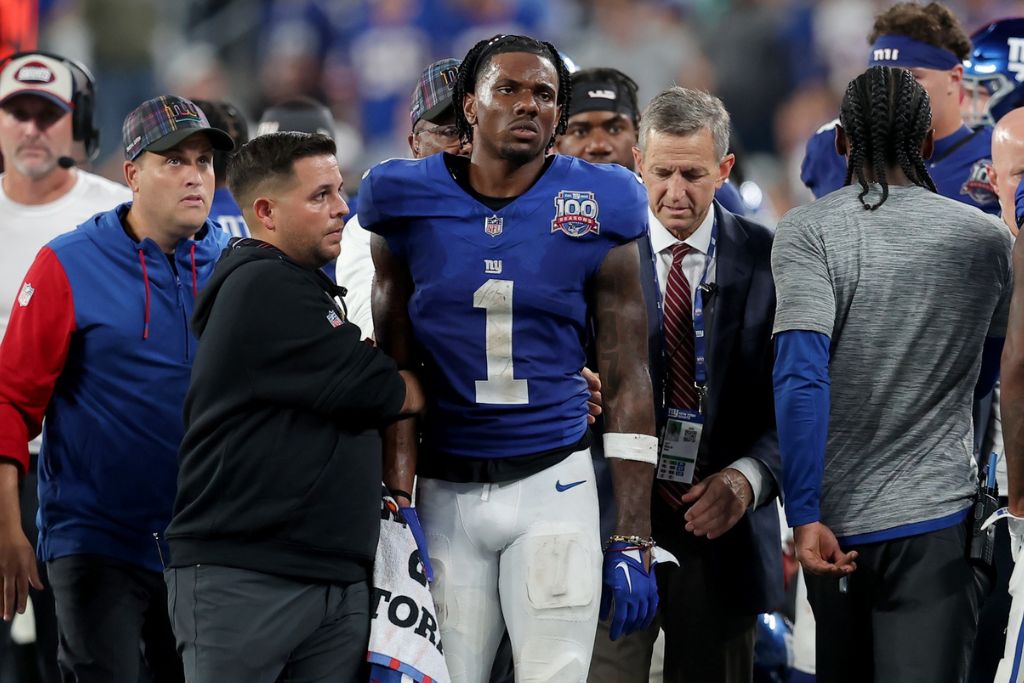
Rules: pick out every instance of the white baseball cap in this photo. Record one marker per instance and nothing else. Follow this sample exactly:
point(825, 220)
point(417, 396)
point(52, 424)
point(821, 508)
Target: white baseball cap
point(38, 74)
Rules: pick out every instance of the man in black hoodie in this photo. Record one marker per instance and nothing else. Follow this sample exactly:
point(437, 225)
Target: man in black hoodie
point(278, 508)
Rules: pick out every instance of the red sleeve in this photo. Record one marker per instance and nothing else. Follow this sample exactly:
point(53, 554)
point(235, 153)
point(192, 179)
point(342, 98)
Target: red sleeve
point(33, 353)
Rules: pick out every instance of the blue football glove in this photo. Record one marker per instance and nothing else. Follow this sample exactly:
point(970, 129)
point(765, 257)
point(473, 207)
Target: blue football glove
point(632, 589)
point(413, 520)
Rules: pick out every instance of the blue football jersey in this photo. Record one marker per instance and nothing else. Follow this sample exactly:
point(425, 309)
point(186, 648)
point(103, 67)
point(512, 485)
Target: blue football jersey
point(959, 166)
point(730, 198)
point(823, 170)
point(224, 211)
point(499, 308)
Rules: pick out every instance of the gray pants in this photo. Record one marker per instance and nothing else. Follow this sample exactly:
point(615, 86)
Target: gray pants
point(704, 642)
point(908, 614)
point(235, 625)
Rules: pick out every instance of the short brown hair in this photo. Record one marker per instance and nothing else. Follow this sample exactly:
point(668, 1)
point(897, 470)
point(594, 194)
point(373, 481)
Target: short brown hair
point(271, 158)
point(933, 23)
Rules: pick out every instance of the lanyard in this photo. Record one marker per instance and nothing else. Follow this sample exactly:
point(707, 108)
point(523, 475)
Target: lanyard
point(700, 371)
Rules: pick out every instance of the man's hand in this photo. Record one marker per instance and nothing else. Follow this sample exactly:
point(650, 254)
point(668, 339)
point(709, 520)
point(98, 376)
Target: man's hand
point(18, 569)
point(819, 551)
point(629, 584)
point(594, 402)
point(718, 503)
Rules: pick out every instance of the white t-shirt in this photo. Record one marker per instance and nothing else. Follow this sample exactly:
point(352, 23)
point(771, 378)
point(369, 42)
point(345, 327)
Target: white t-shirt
point(25, 229)
point(355, 273)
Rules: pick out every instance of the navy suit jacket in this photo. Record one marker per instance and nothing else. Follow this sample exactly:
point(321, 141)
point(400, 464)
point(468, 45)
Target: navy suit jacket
point(740, 415)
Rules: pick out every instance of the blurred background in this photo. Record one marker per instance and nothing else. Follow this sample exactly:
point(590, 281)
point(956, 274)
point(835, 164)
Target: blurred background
point(779, 65)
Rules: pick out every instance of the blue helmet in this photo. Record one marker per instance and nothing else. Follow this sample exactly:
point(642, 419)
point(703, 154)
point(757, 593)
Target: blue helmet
point(994, 71)
point(773, 648)
point(570, 64)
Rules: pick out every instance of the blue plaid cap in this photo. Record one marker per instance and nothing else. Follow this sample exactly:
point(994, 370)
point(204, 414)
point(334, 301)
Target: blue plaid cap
point(158, 124)
point(433, 93)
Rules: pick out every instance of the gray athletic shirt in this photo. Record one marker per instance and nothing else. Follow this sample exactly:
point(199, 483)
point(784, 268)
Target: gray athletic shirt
point(907, 293)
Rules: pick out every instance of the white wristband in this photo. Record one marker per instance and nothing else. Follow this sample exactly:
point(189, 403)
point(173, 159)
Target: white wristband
point(640, 447)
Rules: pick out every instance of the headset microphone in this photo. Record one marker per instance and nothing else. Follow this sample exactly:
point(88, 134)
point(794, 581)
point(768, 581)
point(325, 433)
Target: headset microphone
point(65, 162)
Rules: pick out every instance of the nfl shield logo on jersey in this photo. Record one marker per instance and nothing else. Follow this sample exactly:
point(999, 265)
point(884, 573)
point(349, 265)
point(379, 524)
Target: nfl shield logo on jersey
point(575, 213)
point(493, 225)
point(25, 295)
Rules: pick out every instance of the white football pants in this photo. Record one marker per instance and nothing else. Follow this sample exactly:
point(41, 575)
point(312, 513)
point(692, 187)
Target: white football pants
point(525, 555)
point(1011, 666)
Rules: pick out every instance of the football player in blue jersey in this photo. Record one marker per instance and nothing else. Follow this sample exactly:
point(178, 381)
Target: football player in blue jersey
point(929, 41)
point(994, 71)
point(489, 271)
point(224, 210)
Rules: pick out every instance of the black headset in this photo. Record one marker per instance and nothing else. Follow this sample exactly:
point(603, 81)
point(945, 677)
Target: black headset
point(83, 99)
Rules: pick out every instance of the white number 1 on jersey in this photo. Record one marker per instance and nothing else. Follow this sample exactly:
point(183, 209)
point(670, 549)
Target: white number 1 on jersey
point(495, 297)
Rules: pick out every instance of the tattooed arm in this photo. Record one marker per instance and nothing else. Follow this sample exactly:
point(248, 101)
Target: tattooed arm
point(622, 357)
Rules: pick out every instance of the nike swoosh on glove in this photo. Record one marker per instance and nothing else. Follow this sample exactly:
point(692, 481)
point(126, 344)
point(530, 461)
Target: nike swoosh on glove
point(413, 520)
point(1014, 523)
point(629, 592)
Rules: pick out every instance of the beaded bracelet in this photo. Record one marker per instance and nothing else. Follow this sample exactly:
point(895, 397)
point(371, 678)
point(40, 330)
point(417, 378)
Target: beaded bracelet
point(638, 542)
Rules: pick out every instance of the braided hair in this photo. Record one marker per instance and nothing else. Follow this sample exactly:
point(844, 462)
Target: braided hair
point(479, 56)
point(886, 116)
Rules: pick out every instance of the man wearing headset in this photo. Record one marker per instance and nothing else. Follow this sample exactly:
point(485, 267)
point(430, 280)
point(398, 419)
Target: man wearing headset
point(46, 124)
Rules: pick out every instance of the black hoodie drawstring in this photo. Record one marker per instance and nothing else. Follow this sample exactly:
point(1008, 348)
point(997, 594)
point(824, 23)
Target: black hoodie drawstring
point(145, 280)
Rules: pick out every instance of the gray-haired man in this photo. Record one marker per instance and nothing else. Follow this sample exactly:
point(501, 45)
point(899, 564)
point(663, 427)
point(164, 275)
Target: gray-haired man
point(711, 360)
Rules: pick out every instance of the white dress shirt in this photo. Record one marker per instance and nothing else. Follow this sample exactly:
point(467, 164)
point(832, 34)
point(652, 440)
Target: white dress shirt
point(694, 263)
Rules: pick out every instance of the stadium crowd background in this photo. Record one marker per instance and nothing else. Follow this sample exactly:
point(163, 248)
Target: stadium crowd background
point(780, 66)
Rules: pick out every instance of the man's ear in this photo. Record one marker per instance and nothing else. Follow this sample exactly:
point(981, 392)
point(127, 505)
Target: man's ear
point(993, 177)
point(725, 168)
point(131, 173)
point(638, 160)
point(414, 145)
point(928, 144)
point(263, 209)
point(469, 108)
point(842, 144)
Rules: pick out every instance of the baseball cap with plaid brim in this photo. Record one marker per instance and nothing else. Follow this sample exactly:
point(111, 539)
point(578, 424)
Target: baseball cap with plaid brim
point(159, 124)
point(433, 94)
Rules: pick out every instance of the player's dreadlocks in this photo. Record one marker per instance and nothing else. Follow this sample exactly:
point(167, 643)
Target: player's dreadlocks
point(886, 116)
point(478, 57)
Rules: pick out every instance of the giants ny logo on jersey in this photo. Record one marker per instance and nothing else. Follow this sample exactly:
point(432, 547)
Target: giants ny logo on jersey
point(575, 213)
point(1015, 57)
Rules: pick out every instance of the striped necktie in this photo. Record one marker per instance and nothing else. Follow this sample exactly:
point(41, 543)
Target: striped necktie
point(678, 324)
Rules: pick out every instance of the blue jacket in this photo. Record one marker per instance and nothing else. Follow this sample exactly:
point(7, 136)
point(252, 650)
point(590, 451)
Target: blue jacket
point(102, 345)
